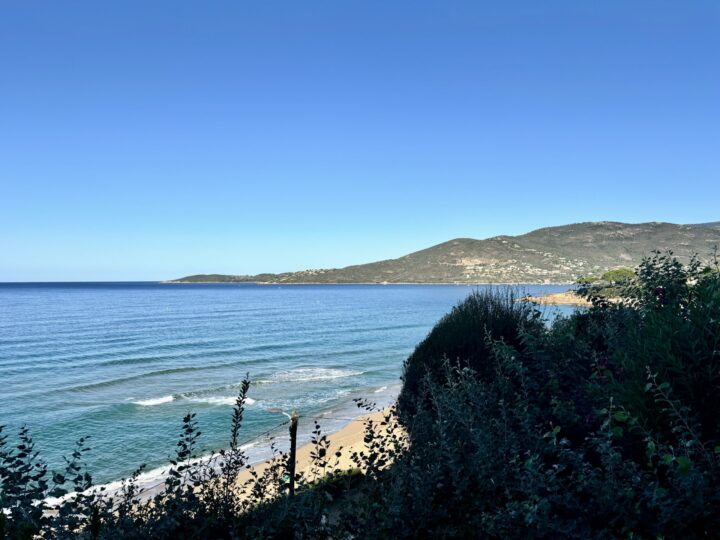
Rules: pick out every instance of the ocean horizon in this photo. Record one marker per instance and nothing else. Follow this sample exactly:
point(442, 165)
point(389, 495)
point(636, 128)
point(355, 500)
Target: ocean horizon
point(122, 362)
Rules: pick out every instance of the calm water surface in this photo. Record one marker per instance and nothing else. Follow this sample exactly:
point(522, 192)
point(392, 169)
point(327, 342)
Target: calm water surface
point(122, 362)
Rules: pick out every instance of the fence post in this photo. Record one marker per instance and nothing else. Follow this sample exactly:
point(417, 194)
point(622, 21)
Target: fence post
point(293, 448)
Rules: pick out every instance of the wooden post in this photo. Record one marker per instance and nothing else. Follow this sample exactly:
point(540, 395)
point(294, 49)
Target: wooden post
point(293, 448)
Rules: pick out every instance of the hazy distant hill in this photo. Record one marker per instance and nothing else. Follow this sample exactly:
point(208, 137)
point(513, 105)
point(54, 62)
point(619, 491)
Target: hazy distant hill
point(549, 255)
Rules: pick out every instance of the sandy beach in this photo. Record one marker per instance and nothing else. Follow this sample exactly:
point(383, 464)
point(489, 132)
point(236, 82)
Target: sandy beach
point(348, 440)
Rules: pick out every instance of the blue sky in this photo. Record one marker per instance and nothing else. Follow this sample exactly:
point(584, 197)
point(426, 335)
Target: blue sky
point(149, 140)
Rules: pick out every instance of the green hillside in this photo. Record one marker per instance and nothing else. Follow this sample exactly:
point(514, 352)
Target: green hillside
point(549, 255)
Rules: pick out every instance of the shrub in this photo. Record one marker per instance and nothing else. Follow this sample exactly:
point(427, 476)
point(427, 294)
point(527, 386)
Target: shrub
point(605, 426)
point(460, 339)
point(618, 275)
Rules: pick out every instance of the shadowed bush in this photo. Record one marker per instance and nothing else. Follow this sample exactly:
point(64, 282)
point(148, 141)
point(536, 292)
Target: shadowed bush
point(461, 339)
point(603, 426)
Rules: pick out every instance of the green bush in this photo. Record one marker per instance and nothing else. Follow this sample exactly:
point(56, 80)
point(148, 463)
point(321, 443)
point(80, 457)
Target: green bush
point(604, 426)
point(618, 275)
point(463, 338)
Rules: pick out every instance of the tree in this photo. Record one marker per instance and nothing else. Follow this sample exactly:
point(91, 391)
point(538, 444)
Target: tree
point(618, 275)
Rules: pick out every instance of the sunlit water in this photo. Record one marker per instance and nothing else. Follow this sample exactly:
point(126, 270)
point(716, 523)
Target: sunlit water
point(123, 362)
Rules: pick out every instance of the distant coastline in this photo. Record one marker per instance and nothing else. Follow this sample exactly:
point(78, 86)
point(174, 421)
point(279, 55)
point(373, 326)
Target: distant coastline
point(458, 283)
point(550, 256)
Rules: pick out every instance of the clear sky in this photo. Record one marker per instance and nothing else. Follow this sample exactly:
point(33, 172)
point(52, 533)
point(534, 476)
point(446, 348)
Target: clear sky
point(154, 139)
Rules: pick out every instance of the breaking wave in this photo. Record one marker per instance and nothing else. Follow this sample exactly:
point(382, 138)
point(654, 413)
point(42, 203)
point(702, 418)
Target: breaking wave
point(154, 401)
point(208, 400)
point(309, 374)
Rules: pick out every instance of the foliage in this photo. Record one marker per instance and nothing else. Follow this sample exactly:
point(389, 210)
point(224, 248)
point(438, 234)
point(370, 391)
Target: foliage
point(607, 286)
point(618, 275)
point(605, 424)
point(460, 339)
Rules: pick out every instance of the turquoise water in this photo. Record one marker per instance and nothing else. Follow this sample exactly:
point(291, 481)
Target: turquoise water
point(123, 362)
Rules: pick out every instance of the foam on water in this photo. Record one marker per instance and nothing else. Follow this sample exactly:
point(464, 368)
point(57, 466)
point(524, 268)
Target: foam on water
point(309, 374)
point(306, 401)
point(220, 400)
point(209, 400)
point(154, 401)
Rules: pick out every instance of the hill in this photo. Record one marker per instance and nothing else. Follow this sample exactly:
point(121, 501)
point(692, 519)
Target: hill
point(549, 255)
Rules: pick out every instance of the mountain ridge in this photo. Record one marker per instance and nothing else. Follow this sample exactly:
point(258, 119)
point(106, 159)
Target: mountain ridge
point(558, 254)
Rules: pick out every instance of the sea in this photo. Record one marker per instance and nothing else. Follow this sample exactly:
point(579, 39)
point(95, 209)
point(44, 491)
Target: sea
point(122, 363)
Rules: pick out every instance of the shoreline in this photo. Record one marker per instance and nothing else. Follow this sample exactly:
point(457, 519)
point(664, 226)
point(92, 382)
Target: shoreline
point(567, 298)
point(347, 440)
point(458, 283)
point(350, 431)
